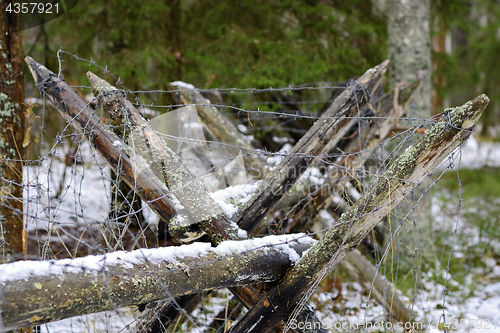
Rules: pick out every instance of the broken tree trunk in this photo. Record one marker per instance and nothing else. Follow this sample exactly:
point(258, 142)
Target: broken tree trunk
point(37, 292)
point(327, 130)
point(386, 191)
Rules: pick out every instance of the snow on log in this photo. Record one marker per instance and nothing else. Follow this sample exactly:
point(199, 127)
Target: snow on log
point(37, 292)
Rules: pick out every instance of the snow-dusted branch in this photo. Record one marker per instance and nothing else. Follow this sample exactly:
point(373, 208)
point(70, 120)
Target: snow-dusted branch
point(36, 292)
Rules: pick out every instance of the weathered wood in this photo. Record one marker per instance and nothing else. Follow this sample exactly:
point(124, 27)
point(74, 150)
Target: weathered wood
point(392, 107)
point(328, 130)
point(144, 143)
point(138, 133)
point(218, 125)
point(84, 120)
point(37, 292)
point(362, 270)
point(415, 164)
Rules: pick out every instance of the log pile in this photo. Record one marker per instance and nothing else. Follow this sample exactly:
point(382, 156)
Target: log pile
point(267, 281)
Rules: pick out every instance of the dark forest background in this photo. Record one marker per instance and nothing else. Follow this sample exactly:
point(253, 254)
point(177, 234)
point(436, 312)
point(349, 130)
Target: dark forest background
point(262, 44)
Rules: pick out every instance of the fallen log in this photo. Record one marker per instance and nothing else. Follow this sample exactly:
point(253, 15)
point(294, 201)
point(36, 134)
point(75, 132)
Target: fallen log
point(283, 301)
point(84, 120)
point(37, 292)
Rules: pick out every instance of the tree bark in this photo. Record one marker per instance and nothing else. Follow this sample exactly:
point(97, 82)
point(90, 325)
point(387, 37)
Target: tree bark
point(453, 129)
point(11, 135)
point(410, 51)
point(37, 292)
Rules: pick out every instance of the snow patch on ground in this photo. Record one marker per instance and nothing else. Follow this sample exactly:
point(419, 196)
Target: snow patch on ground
point(478, 154)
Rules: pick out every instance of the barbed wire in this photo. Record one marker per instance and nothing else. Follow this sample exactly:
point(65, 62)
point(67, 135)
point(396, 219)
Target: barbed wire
point(69, 200)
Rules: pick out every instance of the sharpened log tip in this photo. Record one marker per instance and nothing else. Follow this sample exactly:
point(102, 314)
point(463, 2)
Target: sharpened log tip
point(99, 86)
point(38, 71)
